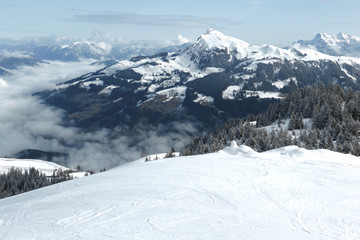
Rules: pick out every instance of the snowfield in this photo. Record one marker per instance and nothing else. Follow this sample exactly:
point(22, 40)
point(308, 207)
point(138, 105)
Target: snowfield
point(45, 167)
point(287, 193)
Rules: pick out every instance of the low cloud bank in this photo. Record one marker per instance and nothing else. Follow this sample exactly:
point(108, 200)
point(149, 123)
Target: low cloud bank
point(27, 123)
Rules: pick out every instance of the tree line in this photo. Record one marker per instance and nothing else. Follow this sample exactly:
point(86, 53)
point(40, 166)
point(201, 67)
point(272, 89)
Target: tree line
point(334, 124)
point(17, 181)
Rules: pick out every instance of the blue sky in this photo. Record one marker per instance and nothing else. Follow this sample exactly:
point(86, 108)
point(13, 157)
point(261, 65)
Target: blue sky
point(277, 22)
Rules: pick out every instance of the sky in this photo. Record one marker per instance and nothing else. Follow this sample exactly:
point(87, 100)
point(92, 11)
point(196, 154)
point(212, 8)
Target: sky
point(277, 22)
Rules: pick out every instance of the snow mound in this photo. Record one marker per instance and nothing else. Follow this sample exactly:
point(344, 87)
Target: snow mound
point(234, 149)
point(291, 152)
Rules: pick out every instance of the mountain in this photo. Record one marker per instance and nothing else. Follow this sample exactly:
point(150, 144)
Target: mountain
point(77, 50)
point(38, 154)
point(8, 63)
point(215, 78)
point(336, 45)
point(236, 193)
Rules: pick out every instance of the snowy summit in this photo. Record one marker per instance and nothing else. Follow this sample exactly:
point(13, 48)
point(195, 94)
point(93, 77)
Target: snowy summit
point(236, 193)
point(215, 39)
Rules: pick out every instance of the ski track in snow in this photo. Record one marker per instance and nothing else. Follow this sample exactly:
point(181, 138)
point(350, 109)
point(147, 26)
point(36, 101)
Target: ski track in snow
point(236, 193)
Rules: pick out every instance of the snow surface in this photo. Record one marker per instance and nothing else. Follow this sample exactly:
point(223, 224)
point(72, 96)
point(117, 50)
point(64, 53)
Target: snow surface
point(282, 83)
point(230, 92)
point(107, 90)
point(203, 98)
point(95, 82)
point(178, 92)
point(287, 193)
point(263, 94)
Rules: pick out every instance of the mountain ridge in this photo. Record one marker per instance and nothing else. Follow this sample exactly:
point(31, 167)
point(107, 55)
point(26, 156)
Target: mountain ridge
point(220, 70)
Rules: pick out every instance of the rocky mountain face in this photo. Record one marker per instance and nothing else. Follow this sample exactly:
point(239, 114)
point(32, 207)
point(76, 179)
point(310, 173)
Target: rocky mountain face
point(215, 78)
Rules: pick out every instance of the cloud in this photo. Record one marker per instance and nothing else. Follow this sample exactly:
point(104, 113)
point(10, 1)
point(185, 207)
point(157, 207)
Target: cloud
point(344, 23)
point(153, 20)
point(24, 121)
point(3, 83)
point(182, 40)
point(98, 150)
point(76, 10)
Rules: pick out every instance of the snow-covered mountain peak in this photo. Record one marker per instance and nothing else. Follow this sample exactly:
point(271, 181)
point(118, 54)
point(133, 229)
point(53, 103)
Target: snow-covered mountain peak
point(324, 38)
point(209, 31)
point(214, 49)
point(343, 37)
point(338, 45)
point(332, 40)
point(215, 39)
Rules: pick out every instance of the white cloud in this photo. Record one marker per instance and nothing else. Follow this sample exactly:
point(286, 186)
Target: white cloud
point(24, 121)
point(3, 83)
point(105, 46)
point(182, 40)
point(153, 20)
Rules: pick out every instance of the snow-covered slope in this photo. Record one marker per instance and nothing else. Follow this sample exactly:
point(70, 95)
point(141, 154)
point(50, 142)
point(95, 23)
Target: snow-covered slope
point(288, 193)
point(24, 164)
point(45, 167)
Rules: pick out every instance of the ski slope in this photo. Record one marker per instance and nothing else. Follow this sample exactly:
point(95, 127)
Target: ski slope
point(288, 193)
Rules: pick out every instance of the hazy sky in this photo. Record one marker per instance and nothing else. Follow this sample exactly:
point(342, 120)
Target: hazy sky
point(278, 22)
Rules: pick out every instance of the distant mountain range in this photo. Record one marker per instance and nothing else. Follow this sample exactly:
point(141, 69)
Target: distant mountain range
point(9, 63)
point(336, 45)
point(213, 79)
point(30, 53)
point(25, 54)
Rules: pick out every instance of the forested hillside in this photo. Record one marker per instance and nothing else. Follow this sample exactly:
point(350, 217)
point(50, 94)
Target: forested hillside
point(332, 122)
point(16, 181)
